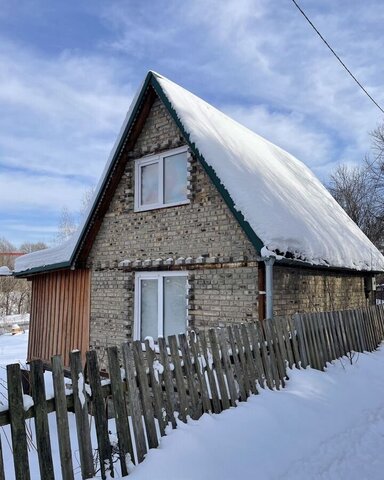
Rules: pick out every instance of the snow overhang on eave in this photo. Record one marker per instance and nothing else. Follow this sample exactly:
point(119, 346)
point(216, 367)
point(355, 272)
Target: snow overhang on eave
point(329, 268)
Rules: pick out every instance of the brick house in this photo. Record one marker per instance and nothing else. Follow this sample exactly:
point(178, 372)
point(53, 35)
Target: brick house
point(196, 222)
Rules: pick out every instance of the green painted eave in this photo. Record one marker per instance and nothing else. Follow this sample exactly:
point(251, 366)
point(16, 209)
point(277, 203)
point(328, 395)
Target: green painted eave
point(43, 269)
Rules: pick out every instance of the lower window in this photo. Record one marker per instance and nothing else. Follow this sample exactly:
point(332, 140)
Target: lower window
point(160, 304)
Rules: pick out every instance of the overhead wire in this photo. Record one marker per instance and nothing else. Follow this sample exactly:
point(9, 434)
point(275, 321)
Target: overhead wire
point(337, 56)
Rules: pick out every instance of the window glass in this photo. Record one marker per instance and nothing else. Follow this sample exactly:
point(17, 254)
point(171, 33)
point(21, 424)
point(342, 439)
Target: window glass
point(175, 305)
point(149, 184)
point(149, 310)
point(175, 178)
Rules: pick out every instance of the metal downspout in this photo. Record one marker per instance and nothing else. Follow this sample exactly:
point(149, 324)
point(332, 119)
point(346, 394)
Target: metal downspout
point(269, 261)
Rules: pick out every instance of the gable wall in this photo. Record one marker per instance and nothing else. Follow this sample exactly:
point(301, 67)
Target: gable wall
point(224, 288)
point(204, 228)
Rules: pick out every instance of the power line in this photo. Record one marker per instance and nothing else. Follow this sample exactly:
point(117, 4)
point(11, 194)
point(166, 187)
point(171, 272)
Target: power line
point(338, 58)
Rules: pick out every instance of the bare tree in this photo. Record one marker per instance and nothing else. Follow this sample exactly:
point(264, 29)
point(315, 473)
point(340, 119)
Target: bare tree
point(69, 222)
point(15, 293)
point(67, 226)
point(29, 247)
point(356, 190)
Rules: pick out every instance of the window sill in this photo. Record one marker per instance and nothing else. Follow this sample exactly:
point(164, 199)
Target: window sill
point(160, 206)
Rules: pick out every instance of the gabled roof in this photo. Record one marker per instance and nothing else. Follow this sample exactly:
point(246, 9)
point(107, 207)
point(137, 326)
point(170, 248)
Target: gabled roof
point(277, 200)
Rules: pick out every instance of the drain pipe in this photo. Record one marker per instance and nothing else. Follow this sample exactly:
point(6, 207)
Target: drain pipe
point(269, 261)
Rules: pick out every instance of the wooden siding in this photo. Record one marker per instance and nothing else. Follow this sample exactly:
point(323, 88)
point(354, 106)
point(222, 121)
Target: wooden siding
point(60, 312)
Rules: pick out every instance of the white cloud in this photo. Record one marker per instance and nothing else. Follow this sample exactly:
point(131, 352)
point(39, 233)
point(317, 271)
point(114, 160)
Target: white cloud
point(259, 61)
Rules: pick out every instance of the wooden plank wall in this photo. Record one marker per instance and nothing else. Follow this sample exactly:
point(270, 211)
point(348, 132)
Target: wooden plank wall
point(60, 310)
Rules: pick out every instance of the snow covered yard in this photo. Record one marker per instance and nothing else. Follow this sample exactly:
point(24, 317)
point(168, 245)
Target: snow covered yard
point(321, 426)
point(325, 426)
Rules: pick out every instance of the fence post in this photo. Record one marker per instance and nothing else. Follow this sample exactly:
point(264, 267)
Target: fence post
point(121, 415)
point(142, 378)
point(98, 410)
point(62, 419)
point(81, 413)
point(219, 371)
point(41, 421)
point(134, 406)
point(168, 383)
point(16, 413)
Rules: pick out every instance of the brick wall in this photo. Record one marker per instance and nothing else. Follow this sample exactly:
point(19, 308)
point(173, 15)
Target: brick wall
point(299, 290)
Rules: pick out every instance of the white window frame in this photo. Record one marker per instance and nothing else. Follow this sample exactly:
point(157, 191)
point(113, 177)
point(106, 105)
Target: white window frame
point(159, 159)
point(159, 276)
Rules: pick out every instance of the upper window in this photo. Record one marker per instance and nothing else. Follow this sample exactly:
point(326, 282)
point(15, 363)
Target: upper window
point(161, 180)
point(160, 304)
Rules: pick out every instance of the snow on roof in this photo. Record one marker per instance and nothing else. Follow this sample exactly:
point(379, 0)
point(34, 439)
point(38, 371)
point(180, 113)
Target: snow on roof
point(286, 206)
point(5, 271)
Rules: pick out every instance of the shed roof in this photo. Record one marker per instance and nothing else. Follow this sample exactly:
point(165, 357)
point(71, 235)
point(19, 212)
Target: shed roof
point(277, 200)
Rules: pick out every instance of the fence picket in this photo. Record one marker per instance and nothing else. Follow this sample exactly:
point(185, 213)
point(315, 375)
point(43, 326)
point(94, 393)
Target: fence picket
point(200, 372)
point(16, 414)
point(121, 414)
point(149, 418)
point(331, 335)
point(43, 443)
point(293, 340)
point(134, 406)
point(62, 418)
point(168, 382)
point(218, 368)
point(283, 325)
point(81, 414)
point(252, 373)
point(272, 354)
point(264, 356)
point(237, 365)
point(303, 354)
point(156, 388)
point(196, 410)
point(227, 367)
point(258, 362)
point(242, 360)
point(99, 413)
point(184, 409)
point(307, 327)
point(320, 339)
point(216, 405)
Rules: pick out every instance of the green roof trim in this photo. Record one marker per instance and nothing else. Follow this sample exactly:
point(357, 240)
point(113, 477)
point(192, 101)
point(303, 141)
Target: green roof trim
point(43, 269)
point(254, 239)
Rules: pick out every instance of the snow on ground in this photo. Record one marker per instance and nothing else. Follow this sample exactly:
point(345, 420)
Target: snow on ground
point(326, 426)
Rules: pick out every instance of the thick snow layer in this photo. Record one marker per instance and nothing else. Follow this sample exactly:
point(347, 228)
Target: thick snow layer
point(286, 205)
point(322, 426)
point(5, 271)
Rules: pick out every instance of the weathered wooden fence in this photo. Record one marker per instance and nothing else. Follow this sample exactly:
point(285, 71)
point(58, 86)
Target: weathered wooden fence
point(178, 377)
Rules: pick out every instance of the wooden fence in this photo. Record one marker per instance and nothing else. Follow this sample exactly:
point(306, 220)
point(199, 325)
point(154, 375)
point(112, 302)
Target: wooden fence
point(178, 377)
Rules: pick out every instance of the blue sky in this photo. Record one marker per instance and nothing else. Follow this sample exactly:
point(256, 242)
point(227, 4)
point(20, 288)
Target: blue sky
point(68, 71)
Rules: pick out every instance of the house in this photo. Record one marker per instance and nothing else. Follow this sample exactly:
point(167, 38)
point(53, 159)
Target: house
point(196, 221)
